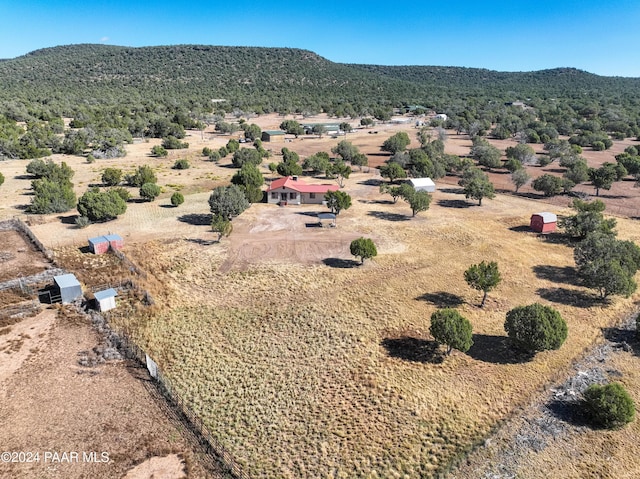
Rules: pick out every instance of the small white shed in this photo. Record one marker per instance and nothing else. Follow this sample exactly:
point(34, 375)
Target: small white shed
point(105, 300)
point(423, 184)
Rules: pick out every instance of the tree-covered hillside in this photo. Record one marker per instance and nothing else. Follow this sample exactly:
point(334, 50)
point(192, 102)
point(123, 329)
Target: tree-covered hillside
point(263, 79)
point(114, 93)
point(273, 79)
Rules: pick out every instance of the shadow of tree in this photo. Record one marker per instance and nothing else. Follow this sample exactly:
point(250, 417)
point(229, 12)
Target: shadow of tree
point(623, 338)
point(497, 350)
point(376, 202)
point(382, 215)
point(340, 263)
point(456, 191)
point(202, 242)
point(371, 182)
point(571, 412)
point(454, 204)
point(442, 299)
point(68, 220)
point(521, 229)
point(196, 219)
point(414, 349)
point(570, 297)
point(557, 274)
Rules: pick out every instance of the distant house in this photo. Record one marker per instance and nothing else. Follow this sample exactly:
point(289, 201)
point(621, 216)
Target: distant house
point(440, 116)
point(105, 300)
point(423, 184)
point(543, 222)
point(101, 244)
point(330, 128)
point(67, 287)
point(273, 136)
point(293, 191)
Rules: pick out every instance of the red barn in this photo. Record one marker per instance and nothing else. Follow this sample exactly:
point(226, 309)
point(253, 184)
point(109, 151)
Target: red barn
point(543, 222)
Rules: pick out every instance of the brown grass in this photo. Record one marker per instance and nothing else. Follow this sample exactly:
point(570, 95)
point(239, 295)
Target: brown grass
point(310, 370)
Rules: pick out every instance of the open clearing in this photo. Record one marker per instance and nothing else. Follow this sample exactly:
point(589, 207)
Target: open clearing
point(304, 364)
point(314, 369)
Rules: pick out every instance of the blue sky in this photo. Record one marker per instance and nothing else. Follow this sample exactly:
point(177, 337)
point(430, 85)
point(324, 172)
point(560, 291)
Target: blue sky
point(596, 36)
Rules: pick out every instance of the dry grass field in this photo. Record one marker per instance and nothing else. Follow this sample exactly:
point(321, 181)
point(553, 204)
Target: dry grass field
point(324, 369)
point(304, 364)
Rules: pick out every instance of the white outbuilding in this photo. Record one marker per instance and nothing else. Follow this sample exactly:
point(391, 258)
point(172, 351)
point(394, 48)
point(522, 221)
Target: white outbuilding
point(423, 184)
point(105, 300)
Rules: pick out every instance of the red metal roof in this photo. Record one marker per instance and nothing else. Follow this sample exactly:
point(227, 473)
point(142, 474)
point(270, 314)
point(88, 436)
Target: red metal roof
point(300, 186)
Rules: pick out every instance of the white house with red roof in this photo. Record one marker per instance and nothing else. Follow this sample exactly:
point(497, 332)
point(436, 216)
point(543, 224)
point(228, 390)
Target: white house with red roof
point(293, 191)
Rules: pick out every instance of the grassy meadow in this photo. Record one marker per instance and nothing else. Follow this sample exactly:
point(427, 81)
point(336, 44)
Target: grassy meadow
point(309, 370)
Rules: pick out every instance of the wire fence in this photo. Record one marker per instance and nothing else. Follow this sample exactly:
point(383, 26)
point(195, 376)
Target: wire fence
point(131, 350)
point(23, 228)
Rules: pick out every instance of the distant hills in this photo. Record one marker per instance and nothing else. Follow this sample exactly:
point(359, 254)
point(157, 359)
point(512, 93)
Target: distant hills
point(272, 79)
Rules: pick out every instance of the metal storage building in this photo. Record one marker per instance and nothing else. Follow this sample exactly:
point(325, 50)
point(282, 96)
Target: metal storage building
point(115, 241)
point(68, 287)
point(98, 245)
point(423, 184)
point(101, 244)
point(273, 135)
point(106, 300)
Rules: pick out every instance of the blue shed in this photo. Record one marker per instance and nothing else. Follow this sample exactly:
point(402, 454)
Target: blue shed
point(68, 287)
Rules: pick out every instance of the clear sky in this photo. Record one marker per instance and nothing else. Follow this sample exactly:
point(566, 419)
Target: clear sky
point(598, 36)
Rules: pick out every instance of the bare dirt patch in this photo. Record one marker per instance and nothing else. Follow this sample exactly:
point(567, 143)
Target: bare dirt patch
point(18, 257)
point(168, 467)
point(51, 403)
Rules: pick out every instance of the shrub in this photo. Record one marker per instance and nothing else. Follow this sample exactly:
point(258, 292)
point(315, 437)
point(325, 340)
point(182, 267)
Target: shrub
point(246, 155)
point(144, 174)
point(206, 151)
point(150, 191)
point(122, 193)
point(227, 201)
point(181, 164)
point(363, 248)
point(609, 406)
point(82, 221)
point(483, 277)
point(536, 327)
point(51, 197)
point(159, 151)
point(112, 176)
point(177, 199)
point(450, 328)
point(550, 185)
point(173, 143)
point(1, 178)
point(98, 205)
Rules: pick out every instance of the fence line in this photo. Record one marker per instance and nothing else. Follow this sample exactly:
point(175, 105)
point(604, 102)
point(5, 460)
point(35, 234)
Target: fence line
point(133, 351)
point(132, 267)
point(22, 226)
